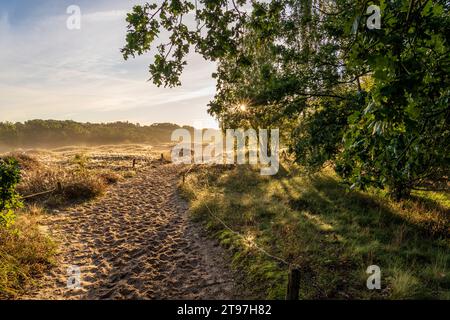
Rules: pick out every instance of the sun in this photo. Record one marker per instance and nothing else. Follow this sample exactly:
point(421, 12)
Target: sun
point(243, 107)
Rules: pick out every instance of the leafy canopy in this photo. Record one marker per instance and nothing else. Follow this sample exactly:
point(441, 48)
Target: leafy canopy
point(374, 102)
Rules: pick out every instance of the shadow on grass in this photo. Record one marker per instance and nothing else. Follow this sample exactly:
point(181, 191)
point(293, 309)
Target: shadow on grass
point(335, 234)
point(372, 230)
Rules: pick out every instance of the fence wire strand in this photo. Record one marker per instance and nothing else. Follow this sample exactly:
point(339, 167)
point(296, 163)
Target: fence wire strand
point(253, 242)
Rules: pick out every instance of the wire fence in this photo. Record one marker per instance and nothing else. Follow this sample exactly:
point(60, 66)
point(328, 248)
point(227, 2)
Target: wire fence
point(294, 269)
point(57, 188)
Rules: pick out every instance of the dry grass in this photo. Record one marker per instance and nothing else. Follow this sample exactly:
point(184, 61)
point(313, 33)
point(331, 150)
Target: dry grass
point(76, 185)
point(83, 186)
point(83, 172)
point(26, 161)
point(25, 253)
point(79, 177)
point(110, 177)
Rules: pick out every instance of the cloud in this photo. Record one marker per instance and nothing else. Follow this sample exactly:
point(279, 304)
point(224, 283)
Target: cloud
point(49, 71)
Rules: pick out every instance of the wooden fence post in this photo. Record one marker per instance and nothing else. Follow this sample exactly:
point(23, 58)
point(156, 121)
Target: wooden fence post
point(293, 284)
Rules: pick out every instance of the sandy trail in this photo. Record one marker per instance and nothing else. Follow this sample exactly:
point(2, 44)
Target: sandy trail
point(136, 242)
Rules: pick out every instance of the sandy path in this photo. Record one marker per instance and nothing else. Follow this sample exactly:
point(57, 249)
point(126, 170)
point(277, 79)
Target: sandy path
point(136, 242)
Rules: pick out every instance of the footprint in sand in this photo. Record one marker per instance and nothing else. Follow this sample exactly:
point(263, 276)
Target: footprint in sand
point(136, 242)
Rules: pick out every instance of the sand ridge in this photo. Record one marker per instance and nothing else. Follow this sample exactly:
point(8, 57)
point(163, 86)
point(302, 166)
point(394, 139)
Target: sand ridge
point(136, 242)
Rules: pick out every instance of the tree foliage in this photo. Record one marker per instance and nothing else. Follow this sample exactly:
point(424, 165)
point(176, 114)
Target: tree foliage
point(374, 102)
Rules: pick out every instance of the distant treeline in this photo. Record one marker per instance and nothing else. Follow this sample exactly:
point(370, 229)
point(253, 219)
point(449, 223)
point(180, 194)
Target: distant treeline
point(55, 133)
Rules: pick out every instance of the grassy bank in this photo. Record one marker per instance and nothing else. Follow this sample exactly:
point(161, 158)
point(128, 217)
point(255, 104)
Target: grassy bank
point(332, 233)
point(25, 253)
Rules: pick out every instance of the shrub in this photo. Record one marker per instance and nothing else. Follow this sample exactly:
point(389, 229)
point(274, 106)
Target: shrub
point(9, 200)
point(25, 161)
point(110, 177)
point(77, 184)
point(84, 186)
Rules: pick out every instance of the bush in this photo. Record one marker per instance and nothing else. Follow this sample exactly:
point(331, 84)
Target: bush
point(84, 186)
point(25, 161)
point(9, 200)
point(77, 183)
point(110, 177)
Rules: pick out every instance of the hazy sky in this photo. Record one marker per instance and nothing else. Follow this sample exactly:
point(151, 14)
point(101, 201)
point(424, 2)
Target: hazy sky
point(50, 72)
